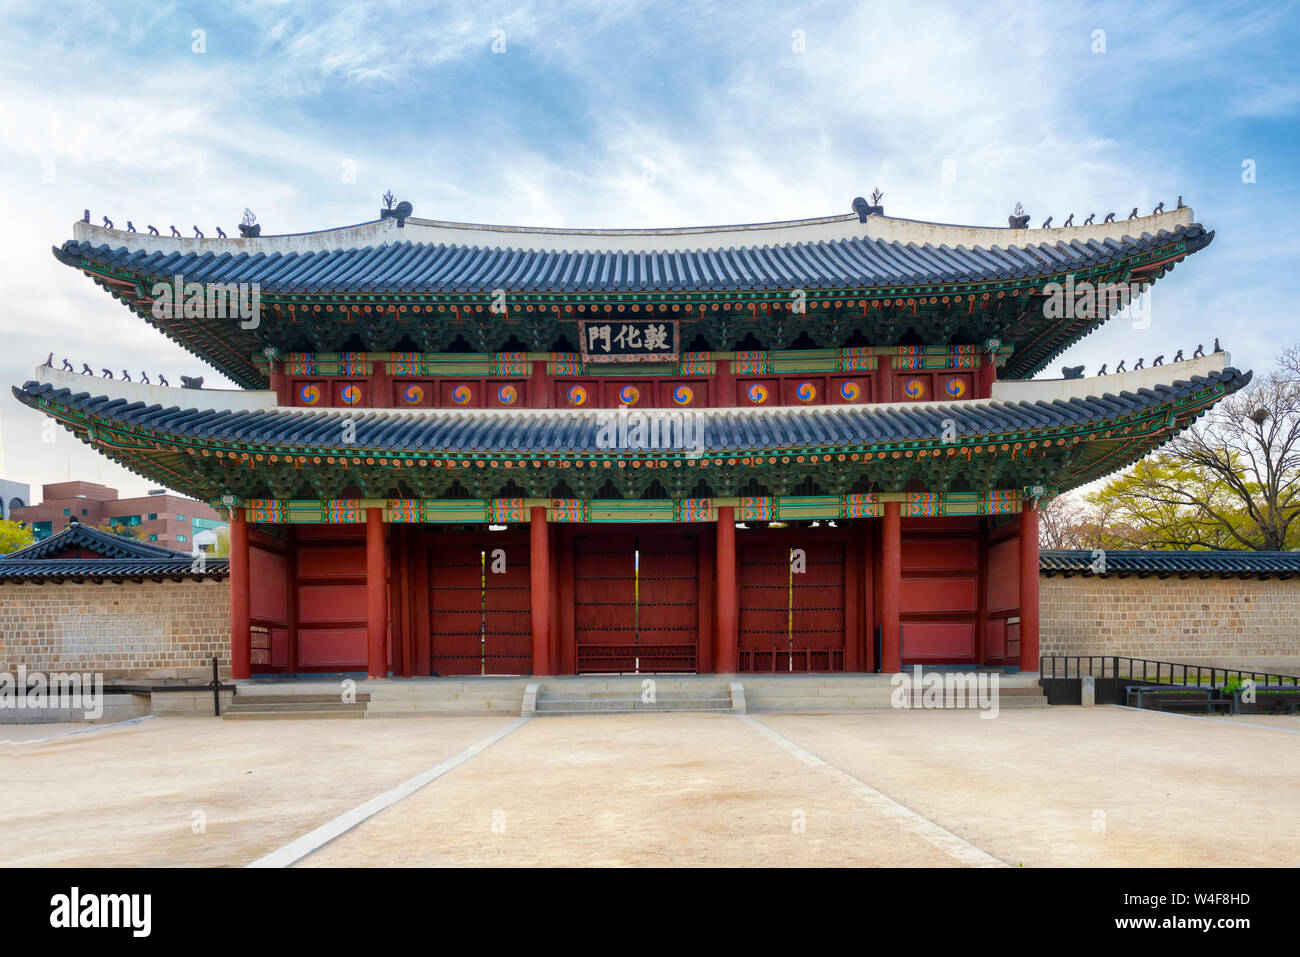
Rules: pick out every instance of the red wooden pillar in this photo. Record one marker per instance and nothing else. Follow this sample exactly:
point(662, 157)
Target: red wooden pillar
point(866, 554)
point(988, 374)
point(381, 386)
point(291, 600)
point(376, 588)
point(982, 595)
point(1029, 586)
point(726, 659)
point(539, 388)
point(240, 599)
point(280, 385)
point(726, 383)
point(539, 570)
point(891, 565)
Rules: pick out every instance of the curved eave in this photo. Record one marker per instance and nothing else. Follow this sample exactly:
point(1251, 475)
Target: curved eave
point(1087, 437)
point(218, 343)
point(415, 268)
point(106, 544)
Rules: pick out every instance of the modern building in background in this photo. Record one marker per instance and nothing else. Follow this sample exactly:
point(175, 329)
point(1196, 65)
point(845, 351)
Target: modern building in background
point(807, 446)
point(13, 495)
point(162, 518)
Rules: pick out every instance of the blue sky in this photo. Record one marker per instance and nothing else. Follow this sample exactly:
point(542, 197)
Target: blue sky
point(626, 114)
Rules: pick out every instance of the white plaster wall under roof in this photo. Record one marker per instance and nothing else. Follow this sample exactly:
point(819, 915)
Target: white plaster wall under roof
point(224, 400)
point(1049, 390)
point(825, 229)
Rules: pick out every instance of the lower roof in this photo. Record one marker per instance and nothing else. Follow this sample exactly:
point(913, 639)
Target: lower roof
point(330, 454)
point(531, 431)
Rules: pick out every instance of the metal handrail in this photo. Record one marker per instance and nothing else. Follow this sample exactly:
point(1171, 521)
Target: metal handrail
point(1097, 667)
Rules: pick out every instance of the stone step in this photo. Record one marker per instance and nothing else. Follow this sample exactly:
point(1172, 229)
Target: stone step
point(566, 694)
point(634, 704)
point(297, 699)
point(445, 707)
point(248, 707)
point(374, 712)
point(449, 696)
point(288, 715)
point(568, 711)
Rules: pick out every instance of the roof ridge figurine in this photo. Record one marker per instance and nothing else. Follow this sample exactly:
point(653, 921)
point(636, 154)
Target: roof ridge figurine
point(249, 228)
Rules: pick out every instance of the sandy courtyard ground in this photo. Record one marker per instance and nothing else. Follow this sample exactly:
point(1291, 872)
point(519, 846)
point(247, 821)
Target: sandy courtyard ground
point(1062, 786)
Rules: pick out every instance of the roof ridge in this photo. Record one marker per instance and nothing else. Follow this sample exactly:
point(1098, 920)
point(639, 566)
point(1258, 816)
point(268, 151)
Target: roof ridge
point(77, 533)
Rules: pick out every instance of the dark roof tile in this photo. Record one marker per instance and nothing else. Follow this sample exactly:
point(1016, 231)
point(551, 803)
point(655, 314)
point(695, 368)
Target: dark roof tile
point(107, 544)
point(407, 267)
point(1147, 562)
point(577, 430)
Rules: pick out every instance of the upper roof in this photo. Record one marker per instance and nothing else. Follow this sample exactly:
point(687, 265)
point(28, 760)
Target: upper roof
point(1142, 562)
point(836, 252)
point(86, 538)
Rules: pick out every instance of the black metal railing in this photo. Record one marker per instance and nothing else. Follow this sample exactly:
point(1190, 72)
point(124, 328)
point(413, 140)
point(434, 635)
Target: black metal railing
point(1153, 671)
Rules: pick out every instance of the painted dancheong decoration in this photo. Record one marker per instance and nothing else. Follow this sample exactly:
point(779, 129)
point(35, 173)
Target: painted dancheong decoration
point(545, 451)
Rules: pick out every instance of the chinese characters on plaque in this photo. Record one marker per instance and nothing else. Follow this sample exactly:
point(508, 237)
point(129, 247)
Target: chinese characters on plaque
point(634, 340)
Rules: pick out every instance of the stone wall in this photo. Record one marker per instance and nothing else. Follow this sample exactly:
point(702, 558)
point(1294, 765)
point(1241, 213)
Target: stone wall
point(123, 629)
point(172, 629)
point(1223, 621)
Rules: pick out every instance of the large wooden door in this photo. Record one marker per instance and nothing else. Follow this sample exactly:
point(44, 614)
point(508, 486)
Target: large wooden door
point(635, 603)
point(793, 612)
point(479, 607)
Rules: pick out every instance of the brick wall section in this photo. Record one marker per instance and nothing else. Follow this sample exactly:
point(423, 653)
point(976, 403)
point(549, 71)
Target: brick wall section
point(1170, 619)
point(128, 629)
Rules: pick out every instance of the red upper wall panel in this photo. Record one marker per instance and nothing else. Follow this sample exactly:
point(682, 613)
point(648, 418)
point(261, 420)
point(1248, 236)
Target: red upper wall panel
point(925, 553)
point(538, 387)
point(268, 588)
point(1004, 576)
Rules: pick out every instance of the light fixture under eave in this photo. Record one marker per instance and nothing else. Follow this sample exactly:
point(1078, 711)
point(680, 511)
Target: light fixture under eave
point(776, 525)
point(497, 528)
point(742, 525)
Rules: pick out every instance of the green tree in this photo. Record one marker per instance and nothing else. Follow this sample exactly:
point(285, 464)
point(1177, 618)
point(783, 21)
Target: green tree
point(121, 528)
point(1232, 481)
point(14, 536)
point(221, 548)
